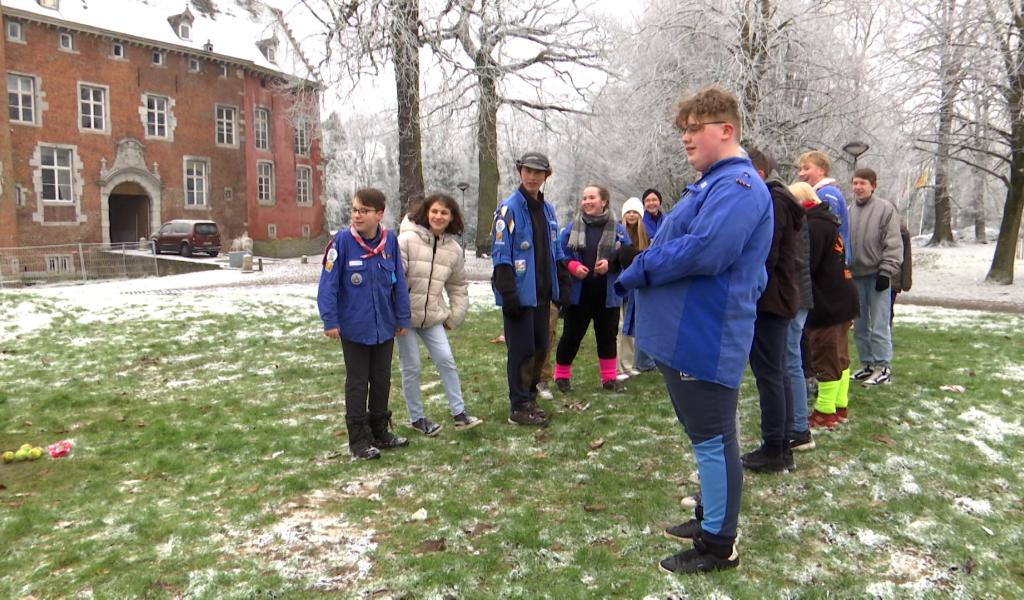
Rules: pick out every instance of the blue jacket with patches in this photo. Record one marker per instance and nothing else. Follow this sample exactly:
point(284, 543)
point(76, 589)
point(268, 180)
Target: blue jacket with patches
point(366, 298)
point(830, 194)
point(697, 285)
point(611, 298)
point(512, 244)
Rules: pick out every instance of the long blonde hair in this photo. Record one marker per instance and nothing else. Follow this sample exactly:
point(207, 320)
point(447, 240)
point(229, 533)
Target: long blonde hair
point(637, 233)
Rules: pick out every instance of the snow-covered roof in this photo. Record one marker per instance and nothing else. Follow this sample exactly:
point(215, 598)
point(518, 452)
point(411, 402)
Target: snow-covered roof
point(234, 28)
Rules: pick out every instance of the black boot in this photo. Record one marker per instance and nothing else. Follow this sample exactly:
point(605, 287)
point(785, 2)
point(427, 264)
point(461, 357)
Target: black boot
point(380, 425)
point(360, 440)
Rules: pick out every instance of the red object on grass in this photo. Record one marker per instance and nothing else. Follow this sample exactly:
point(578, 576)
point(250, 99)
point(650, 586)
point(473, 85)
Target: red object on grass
point(59, 449)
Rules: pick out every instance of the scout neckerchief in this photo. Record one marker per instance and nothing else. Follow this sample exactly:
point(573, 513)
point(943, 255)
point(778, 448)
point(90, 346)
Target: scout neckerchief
point(370, 252)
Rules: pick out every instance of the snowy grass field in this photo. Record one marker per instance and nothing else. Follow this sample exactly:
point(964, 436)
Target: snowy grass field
point(210, 462)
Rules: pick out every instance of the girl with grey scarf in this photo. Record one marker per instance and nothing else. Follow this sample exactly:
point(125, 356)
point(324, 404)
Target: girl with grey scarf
point(590, 242)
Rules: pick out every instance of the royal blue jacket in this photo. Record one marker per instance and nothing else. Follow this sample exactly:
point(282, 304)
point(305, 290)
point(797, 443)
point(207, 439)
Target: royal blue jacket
point(697, 285)
point(830, 194)
point(651, 224)
point(512, 244)
point(612, 299)
point(366, 298)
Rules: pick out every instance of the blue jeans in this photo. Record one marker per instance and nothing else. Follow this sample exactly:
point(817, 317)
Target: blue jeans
point(436, 341)
point(795, 368)
point(707, 412)
point(871, 331)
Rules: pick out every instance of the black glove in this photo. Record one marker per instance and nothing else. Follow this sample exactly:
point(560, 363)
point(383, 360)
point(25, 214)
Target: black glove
point(510, 306)
point(625, 256)
point(881, 283)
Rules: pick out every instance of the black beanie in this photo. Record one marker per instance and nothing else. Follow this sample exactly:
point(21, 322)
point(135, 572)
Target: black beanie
point(650, 191)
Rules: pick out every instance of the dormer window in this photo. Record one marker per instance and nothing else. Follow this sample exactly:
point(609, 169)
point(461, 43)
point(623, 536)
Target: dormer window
point(54, 4)
point(182, 24)
point(268, 48)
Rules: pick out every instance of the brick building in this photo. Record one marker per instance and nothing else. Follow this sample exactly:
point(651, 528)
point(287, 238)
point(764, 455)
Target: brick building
point(124, 114)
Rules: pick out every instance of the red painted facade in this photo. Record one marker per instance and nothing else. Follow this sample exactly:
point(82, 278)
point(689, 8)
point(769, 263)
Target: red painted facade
point(127, 181)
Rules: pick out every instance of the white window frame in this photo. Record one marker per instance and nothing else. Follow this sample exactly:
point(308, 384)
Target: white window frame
point(301, 137)
point(306, 229)
point(223, 71)
point(115, 48)
point(65, 42)
point(159, 58)
point(103, 105)
point(194, 66)
point(185, 31)
point(34, 108)
point(60, 263)
point(15, 31)
point(200, 195)
point(225, 125)
point(304, 185)
point(54, 4)
point(264, 182)
point(57, 169)
point(261, 128)
point(271, 231)
point(153, 125)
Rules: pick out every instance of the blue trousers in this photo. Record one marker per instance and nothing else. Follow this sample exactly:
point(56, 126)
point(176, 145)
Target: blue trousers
point(707, 412)
point(795, 368)
point(436, 341)
point(871, 331)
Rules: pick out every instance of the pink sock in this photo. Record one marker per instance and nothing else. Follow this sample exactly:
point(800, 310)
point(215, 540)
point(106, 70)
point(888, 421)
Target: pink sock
point(563, 371)
point(607, 366)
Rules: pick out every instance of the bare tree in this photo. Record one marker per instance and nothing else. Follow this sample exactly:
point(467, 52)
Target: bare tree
point(506, 53)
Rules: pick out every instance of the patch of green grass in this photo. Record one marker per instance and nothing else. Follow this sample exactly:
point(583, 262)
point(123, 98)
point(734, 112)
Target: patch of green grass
point(205, 466)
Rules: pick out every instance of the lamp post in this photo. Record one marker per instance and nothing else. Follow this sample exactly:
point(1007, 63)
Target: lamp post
point(463, 186)
point(855, 149)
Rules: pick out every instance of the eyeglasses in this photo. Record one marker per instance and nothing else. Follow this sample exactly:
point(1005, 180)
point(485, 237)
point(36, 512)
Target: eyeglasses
point(693, 128)
point(362, 211)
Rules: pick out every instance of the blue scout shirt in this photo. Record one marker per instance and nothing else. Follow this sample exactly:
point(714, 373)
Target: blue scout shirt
point(697, 285)
point(512, 244)
point(366, 298)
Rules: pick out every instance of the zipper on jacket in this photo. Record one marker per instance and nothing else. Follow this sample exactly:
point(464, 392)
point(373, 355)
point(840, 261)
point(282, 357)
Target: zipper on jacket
point(426, 302)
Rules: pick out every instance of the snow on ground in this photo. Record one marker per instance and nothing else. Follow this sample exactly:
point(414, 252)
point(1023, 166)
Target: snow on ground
point(958, 273)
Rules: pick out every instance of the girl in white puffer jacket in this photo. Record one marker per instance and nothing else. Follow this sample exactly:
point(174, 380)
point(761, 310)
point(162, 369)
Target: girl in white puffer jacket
point(434, 263)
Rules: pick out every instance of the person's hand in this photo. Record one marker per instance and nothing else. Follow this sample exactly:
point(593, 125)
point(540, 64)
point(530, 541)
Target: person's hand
point(881, 283)
point(401, 331)
point(601, 266)
point(446, 326)
point(510, 306)
point(581, 272)
point(334, 334)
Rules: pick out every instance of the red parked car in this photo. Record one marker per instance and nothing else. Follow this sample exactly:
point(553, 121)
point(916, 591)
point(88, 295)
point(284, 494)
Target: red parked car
point(185, 237)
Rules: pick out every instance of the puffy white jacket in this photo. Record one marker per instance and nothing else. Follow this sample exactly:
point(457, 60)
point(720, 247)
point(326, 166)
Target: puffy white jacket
point(432, 265)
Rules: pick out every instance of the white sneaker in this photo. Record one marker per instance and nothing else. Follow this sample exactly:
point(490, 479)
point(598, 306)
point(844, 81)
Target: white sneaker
point(544, 392)
point(880, 375)
point(633, 373)
point(622, 376)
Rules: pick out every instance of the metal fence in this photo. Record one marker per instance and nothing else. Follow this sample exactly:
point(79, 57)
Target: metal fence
point(29, 265)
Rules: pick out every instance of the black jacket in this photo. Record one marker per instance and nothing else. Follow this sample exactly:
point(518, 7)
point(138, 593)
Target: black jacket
point(781, 296)
point(835, 297)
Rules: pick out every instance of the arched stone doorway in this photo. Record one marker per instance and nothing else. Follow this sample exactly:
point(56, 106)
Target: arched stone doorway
point(130, 195)
point(129, 209)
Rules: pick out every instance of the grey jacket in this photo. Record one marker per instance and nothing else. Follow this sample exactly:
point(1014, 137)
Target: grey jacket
point(875, 238)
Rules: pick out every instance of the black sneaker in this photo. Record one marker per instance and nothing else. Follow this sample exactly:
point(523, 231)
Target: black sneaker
point(787, 457)
point(801, 441)
point(862, 373)
point(426, 427)
point(464, 421)
point(365, 452)
point(614, 385)
point(759, 462)
point(526, 417)
point(535, 408)
point(683, 531)
point(698, 559)
point(563, 385)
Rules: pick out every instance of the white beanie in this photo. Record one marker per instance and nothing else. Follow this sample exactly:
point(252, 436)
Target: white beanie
point(633, 204)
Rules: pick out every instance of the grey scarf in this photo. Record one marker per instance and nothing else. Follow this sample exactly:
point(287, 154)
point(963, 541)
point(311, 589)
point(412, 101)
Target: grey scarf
point(578, 233)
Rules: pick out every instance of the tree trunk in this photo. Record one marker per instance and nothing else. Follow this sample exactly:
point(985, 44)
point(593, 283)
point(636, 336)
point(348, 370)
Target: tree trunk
point(979, 206)
point(487, 159)
point(406, 51)
point(1001, 270)
point(942, 233)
